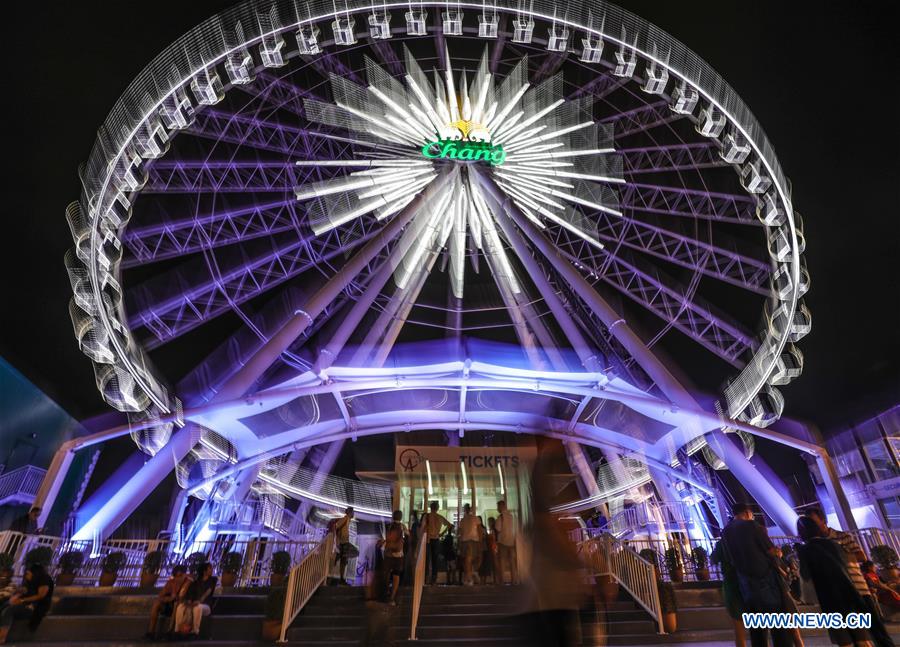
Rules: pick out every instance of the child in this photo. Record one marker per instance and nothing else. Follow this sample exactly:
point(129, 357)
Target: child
point(449, 550)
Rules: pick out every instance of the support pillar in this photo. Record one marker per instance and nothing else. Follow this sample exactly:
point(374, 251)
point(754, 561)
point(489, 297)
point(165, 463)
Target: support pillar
point(835, 491)
point(762, 490)
point(132, 492)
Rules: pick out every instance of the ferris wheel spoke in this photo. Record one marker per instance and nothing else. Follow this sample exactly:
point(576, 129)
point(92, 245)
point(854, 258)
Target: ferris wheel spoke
point(202, 300)
point(689, 203)
point(165, 176)
point(267, 135)
point(599, 87)
point(666, 298)
point(153, 243)
point(551, 64)
point(715, 261)
point(277, 93)
point(670, 158)
point(642, 119)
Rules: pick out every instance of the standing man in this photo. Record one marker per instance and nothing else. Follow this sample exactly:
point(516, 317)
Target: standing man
point(434, 525)
point(747, 546)
point(855, 556)
point(27, 524)
point(506, 544)
point(395, 542)
point(346, 550)
point(468, 542)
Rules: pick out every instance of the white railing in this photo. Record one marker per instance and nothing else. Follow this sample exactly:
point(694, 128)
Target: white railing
point(608, 556)
point(257, 555)
point(418, 583)
point(306, 577)
point(21, 484)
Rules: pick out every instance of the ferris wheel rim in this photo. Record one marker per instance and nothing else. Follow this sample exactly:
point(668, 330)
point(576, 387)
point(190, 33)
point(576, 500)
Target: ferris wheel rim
point(775, 174)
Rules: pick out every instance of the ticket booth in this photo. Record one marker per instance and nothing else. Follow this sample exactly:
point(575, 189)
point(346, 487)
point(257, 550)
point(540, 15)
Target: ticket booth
point(454, 476)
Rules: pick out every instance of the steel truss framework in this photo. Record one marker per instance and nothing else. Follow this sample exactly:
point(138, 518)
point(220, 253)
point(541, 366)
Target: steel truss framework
point(246, 217)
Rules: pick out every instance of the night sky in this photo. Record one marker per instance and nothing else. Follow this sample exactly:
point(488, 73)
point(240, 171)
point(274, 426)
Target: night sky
point(821, 80)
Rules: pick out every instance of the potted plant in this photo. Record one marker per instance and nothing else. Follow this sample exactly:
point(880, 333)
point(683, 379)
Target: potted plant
point(150, 570)
point(231, 566)
point(42, 555)
point(884, 557)
point(69, 563)
point(668, 604)
point(673, 564)
point(700, 559)
point(271, 629)
point(7, 562)
point(109, 568)
point(281, 564)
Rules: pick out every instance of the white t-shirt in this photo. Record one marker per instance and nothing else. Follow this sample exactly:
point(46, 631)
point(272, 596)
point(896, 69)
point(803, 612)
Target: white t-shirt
point(506, 529)
point(468, 528)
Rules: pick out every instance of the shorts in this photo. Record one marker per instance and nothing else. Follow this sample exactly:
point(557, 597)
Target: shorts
point(394, 565)
point(348, 551)
point(470, 549)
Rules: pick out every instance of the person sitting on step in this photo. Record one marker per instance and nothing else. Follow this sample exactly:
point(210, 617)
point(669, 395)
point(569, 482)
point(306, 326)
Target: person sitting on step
point(197, 601)
point(164, 604)
point(32, 603)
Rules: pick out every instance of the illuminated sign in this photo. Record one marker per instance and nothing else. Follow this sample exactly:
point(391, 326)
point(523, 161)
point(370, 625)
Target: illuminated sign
point(466, 151)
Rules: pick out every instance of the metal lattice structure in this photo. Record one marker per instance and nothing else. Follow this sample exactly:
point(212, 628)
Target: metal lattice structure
point(317, 176)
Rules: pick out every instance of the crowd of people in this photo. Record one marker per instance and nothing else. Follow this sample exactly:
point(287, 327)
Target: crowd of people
point(761, 577)
point(467, 553)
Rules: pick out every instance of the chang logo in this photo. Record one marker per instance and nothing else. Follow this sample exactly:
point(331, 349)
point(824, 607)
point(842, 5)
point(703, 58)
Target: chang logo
point(465, 151)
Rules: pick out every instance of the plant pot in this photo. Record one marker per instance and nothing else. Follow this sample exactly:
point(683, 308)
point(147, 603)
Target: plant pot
point(65, 579)
point(148, 579)
point(676, 575)
point(702, 574)
point(228, 579)
point(670, 622)
point(108, 579)
point(276, 579)
point(271, 630)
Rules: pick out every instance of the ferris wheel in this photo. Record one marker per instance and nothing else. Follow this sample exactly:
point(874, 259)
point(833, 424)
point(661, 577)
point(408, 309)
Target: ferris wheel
point(542, 171)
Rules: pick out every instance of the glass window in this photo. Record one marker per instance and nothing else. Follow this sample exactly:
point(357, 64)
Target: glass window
point(891, 510)
point(882, 461)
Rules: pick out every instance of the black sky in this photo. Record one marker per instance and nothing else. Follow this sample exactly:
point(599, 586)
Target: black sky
point(820, 78)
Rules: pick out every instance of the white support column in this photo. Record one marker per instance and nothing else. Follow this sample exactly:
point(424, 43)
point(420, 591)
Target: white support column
point(127, 499)
point(763, 491)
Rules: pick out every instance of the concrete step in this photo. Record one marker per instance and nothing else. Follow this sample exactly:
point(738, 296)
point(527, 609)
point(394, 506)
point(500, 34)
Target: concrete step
point(141, 604)
point(62, 629)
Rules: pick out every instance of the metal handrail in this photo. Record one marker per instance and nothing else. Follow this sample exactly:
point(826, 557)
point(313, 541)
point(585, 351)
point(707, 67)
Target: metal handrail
point(633, 573)
point(305, 579)
point(23, 481)
point(418, 585)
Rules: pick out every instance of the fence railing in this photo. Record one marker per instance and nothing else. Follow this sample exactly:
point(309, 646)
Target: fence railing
point(608, 556)
point(305, 578)
point(21, 484)
point(418, 585)
point(257, 555)
point(684, 551)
